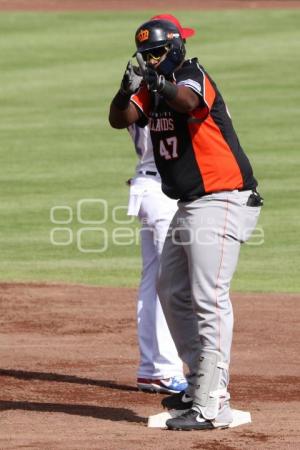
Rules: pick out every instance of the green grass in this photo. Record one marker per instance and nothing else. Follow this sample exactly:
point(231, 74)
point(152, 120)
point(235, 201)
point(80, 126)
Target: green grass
point(58, 73)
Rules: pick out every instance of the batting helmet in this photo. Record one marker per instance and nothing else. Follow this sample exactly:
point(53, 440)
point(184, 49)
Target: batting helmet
point(160, 34)
point(185, 32)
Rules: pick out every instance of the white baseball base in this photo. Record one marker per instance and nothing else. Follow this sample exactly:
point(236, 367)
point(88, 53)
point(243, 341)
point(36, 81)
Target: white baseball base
point(159, 420)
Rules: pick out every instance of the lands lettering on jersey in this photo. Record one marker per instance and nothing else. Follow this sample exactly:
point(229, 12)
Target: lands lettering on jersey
point(159, 124)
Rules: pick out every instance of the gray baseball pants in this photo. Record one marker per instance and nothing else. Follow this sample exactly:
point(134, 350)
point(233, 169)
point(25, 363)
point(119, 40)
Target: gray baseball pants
point(198, 261)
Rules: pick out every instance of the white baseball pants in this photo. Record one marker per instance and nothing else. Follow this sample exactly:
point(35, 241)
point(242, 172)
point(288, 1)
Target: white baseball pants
point(158, 355)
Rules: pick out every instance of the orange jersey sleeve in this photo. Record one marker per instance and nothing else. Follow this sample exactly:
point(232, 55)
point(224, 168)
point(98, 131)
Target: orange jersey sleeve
point(142, 100)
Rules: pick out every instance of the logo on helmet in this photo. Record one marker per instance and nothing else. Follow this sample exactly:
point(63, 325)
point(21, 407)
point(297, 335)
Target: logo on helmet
point(173, 35)
point(143, 35)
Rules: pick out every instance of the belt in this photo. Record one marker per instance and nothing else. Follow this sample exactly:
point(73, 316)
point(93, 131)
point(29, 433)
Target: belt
point(147, 172)
point(254, 200)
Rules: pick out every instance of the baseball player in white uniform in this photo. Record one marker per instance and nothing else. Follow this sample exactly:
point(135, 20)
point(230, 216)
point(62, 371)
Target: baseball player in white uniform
point(160, 368)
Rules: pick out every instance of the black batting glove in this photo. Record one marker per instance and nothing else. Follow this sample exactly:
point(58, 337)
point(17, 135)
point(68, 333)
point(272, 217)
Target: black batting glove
point(155, 82)
point(158, 83)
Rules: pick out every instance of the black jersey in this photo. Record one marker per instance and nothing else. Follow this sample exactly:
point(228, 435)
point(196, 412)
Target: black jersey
point(196, 153)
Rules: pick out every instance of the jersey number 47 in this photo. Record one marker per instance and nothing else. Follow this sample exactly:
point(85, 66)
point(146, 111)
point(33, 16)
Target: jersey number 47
point(168, 148)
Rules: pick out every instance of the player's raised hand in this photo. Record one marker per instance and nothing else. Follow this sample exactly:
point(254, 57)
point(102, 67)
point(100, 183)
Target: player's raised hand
point(131, 80)
point(154, 82)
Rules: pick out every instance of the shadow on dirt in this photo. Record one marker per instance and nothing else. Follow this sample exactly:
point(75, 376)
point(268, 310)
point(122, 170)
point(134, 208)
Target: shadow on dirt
point(44, 376)
point(104, 413)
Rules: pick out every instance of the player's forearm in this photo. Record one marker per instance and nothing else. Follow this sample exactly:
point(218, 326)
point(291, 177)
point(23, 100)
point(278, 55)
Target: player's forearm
point(184, 101)
point(122, 113)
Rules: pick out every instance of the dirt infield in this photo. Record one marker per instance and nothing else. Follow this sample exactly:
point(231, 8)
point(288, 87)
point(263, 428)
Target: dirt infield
point(85, 5)
point(68, 360)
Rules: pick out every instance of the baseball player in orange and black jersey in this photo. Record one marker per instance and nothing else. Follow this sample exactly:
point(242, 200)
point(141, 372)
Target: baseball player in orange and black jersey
point(203, 165)
point(199, 152)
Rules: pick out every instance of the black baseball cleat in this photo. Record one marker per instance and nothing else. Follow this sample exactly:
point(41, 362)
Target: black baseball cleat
point(177, 401)
point(193, 420)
